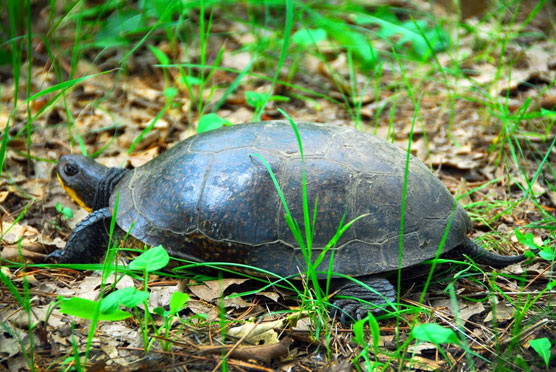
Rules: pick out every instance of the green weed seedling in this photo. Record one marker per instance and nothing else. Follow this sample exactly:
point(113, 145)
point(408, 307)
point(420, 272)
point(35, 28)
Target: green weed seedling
point(542, 346)
point(258, 100)
point(546, 252)
point(177, 304)
point(151, 260)
point(210, 122)
point(108, 308)
point(359, 338)
point(66, 212)
point(436, 334)
point(418, 35)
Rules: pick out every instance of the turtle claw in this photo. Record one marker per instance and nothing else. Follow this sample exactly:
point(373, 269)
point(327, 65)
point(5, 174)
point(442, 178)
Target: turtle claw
point(351, 311)
point(359, 301)
point(54, 256)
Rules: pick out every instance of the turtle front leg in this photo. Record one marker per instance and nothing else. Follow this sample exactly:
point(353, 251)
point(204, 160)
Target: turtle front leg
point(88, 241)
point(379, 300)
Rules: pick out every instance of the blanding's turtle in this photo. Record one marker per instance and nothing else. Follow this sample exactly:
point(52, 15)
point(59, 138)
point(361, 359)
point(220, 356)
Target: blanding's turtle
point(210, 199)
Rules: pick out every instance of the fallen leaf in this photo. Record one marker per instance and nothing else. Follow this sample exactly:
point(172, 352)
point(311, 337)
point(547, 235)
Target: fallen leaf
point(504, 312)
point(466, 308)
point(263, 353)
point(274, 296)
point(201, 307)
point(421, 346)
point(3, 195)
point(255, 333)
point(213, 289)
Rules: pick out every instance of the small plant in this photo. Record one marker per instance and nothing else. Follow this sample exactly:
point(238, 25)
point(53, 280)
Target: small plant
point(436, 334)
point(177, 304)
point(108, 308)
point(307, 37)
point(542, 346)
point(359, 338)
point(546, 252)
point(423, 40)
point(258, 100)
point(66, 212)
point(210, 122)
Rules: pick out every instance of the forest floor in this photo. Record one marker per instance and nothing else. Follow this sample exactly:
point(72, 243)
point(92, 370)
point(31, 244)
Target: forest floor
point(483, 124)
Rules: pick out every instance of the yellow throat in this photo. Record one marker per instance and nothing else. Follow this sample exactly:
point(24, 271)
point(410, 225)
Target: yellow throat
point(73, 195)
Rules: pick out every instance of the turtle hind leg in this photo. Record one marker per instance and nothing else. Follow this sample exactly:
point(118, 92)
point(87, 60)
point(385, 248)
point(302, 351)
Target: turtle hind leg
point(349, 306)
point(88, 241)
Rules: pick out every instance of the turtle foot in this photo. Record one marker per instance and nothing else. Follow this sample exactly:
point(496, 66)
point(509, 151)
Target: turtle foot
point(88, 241)
point(356, 301)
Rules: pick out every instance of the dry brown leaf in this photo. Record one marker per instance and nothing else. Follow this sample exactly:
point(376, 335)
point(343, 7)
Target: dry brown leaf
point(3, 195)
point(241, 115)
point(255, 333)
point(160, 296)
point(201, 307)
point(274, 296)
point(421, 346)
point(466, 308)
point(138, 159)
point(12, 253)
point(263, 353)
point(213, 289)
point(14, 232)
point(463, 189)
point(237, 303)
point(238, 61)
point(89, 288)
point(504, 311)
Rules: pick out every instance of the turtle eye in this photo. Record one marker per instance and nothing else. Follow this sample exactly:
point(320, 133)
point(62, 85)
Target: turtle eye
point(70, 169)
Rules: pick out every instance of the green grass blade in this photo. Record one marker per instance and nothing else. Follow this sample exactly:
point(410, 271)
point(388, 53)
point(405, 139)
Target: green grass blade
point(285, 43)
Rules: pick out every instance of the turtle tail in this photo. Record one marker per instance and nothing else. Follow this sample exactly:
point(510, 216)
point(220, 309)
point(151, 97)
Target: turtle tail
point(481, 256)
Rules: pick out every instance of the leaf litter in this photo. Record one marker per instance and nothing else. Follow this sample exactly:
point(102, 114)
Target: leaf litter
point(111, 114)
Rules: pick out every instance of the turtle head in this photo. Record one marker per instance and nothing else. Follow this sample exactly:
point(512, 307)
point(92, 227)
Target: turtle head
point(89, 183)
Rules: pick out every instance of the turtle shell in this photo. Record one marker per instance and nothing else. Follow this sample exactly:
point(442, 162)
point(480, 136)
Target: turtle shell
point(210, 198)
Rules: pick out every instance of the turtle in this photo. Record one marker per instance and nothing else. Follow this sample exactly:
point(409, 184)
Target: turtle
point(210, 198)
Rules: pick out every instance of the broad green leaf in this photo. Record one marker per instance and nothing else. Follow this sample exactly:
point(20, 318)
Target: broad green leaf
point(159, 310)
point(435, 333)
point(308, 37)
point(129, 297)
point(178, 301)
point(359, 332)
point(358, 43)
point(170, 93)
point(160, 55)
point(412, 33)
point(151, 260)
point(526, 239)
point(158, 8)
point(85, 309)
point(254, 99)
point(117, 25)
point(210, 122)
point(542, 347)
point(65, 211)
point(547, 113)
point(547, 254)
point(191, 80)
